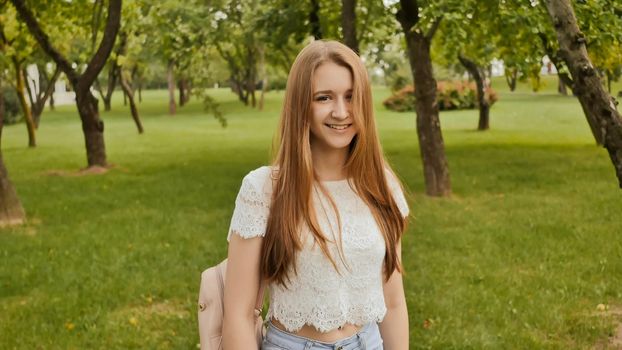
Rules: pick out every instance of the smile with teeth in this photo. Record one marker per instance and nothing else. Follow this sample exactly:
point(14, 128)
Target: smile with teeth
point(338, 126)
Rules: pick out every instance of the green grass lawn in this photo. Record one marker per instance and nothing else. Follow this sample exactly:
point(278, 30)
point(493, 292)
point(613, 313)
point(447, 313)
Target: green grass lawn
point(518, 258)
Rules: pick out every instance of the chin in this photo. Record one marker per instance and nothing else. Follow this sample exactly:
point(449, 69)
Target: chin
point(340, 144)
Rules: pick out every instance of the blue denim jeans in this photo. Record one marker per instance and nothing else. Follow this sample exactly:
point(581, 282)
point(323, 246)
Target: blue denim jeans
point(368, 338)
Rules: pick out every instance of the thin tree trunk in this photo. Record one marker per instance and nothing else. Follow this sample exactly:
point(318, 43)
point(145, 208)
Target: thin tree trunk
point(11, 210)
point(172, 107)
point(561, 87)
point(608, 81)
point(599, 107)
point(435, 168)
point(130, 95)
point(182, 92)
point(52, 107)
point(112, 82)
point(484, 106)
point(41, 99)
point(510, 78)
point(348, 24)
point(188, 92)
point(264, 80)
point(19, 88)
point(314, 20)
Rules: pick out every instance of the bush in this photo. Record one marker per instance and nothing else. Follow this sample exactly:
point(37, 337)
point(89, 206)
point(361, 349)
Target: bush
point(12, 110)
point(450, 95)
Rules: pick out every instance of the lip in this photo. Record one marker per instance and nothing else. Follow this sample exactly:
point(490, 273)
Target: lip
point(347, 125)
point(339, 131)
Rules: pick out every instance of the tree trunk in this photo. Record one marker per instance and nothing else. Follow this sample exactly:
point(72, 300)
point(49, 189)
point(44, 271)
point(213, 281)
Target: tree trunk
point(264, 80)
point(561, 87)
point(130, 95)
point(11, 210)
point(187, 90)
point(435, 168)
point(484, 106)
point(172, 107)
point(608, 81)
point(112, 82)
point(314, 20)
point(599, 107)
point(348, 24)
point(20, 88)
point(510, 78)
point(92, 127)
point(182, 92)
point(52, 107)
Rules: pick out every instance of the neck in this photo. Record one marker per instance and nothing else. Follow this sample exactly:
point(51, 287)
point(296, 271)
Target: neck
point(329, 164)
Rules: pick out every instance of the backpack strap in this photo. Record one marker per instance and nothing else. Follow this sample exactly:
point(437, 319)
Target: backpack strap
point(259, 301)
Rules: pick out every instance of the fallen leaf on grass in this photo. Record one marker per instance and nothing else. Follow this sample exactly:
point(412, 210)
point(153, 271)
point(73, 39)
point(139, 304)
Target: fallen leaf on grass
point(427, 324)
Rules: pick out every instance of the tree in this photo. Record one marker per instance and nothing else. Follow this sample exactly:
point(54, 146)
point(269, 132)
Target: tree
point(43, 87)
point(16, 46)
point(235, 39)
point(92, 125)
point(181, 27)
point(314, 19)
point(432, 148)
point(11, 211)
point(466, 38)
point(479, 75)
point(598, 105)
point(125, 78)
point(348, 24)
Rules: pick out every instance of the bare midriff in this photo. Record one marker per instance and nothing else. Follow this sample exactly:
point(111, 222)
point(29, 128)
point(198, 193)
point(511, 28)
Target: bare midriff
point(345, 331)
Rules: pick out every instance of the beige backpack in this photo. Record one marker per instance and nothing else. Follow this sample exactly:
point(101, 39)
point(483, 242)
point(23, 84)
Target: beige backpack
point(211, 308)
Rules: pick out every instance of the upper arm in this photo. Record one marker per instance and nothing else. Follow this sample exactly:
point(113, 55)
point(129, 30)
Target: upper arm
point(393, 289)
point(242, 282)
point(248, 226)
point(397, 192)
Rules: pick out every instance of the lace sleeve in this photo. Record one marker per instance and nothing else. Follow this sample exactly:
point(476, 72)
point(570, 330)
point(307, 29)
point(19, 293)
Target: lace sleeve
point(397, 192)
point(252, 207)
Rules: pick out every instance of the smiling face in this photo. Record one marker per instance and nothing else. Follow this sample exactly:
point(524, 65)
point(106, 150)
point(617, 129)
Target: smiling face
point(332, 124)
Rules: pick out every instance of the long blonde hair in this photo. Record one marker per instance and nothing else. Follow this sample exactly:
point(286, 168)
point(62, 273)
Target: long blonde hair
point(294, 176)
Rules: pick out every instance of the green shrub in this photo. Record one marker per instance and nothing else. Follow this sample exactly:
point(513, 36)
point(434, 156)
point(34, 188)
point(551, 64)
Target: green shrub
point(12, 110)
point(450, 95)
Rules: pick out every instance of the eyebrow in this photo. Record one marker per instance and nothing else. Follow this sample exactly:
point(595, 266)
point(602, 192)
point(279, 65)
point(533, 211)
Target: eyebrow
point(328, 92)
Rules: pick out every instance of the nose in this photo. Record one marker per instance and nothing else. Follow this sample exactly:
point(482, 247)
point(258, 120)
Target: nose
point(340, 109)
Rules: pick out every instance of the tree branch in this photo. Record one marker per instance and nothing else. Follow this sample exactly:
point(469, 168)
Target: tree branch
point(50, 88)
point(553, 56)
point(43, 40)
point(434, 27)
point(98, 60)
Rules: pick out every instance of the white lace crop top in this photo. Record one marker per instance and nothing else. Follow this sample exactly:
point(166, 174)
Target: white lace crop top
point(318, 295)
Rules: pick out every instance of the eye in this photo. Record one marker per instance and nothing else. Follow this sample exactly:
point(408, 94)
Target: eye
point(349, 97)
point(322, 98)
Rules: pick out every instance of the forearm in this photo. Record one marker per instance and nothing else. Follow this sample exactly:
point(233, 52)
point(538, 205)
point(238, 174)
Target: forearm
point(239, 334)
point(394, 328)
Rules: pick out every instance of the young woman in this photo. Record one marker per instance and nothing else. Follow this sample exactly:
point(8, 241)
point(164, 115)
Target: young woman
point(322, 226)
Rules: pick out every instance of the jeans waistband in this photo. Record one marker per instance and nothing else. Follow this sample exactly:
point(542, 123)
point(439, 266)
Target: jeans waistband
point(285, 339)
